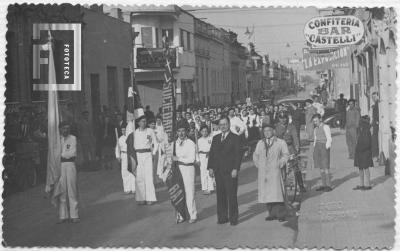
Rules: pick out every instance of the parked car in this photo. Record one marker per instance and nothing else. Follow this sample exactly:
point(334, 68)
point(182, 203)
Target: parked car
point(331, 116)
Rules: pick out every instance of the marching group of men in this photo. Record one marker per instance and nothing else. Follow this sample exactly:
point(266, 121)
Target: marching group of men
point(214, 141)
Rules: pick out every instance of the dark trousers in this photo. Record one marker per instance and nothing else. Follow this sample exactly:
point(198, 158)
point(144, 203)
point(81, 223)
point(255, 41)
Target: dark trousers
point(227, 205)
point(276, 209)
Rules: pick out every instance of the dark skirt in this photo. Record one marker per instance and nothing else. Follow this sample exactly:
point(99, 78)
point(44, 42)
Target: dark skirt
point(363, 160)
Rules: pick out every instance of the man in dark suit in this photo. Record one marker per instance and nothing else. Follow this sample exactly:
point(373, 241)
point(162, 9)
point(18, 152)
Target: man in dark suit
point(223, 164)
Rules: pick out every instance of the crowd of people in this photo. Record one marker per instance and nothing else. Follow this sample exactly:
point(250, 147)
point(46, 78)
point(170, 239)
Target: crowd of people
point(215, 141)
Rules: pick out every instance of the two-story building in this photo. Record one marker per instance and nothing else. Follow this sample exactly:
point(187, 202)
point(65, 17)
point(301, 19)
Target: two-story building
point(153, 23)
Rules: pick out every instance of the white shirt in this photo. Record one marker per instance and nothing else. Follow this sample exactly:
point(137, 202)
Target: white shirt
point(122, 146)
point(185, 151)
point(204, 144)
point(237, 126)
point(145, 139)
point(253, 118)
point(68, 146)
point(320, 108)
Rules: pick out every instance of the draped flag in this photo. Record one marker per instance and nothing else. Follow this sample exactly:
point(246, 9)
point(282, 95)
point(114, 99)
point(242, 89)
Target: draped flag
point(54, 140)
point(134, 110)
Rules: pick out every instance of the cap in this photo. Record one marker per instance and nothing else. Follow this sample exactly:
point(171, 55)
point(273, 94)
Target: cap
point(268, 125)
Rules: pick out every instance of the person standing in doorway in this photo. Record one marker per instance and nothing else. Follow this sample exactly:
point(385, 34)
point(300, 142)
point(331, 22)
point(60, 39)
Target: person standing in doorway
point(224, 163)
point(352, 120)
point(270, 156)
point(68, 200)
point(375, 126)
point(321, 155)
point(341, 105)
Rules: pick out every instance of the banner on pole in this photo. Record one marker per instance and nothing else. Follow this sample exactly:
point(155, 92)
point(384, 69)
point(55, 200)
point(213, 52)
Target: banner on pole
point(67, 56)
point(339, 58)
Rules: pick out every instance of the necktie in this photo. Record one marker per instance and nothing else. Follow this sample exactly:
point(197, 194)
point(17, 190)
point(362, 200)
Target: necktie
point(223, 137)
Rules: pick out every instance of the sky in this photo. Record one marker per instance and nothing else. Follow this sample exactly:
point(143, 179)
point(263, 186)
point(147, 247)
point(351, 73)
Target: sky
point(274, 28)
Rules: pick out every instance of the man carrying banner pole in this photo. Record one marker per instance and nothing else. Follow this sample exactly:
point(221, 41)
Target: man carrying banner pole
point(61, 179)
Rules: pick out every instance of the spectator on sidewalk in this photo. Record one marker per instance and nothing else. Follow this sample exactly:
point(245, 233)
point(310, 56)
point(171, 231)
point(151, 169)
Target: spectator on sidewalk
point(204, 145)
point(340, 107)
point(86, 137)
point(375, 126)
point(352, 120)
point(270, 156)
point(310, 111)
point(363, 154)
point(321, 155)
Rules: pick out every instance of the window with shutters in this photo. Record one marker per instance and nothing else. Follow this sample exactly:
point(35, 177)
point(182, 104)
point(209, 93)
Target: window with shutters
point(147, 37)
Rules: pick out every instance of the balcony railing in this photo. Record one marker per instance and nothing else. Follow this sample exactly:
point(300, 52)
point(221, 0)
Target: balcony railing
point(153, 58)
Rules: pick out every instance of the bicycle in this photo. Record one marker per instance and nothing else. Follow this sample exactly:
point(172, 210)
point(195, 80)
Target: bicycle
point(290, 180)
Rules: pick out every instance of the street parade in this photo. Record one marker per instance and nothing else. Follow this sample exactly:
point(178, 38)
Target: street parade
point(128, 142)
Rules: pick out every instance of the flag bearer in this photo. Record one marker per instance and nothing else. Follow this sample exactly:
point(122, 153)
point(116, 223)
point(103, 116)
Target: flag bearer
point(185, 157)
point(143, 141)
point(128, 179)
point(68, 200)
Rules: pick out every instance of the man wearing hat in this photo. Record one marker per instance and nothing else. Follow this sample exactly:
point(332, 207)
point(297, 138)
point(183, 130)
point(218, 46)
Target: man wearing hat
point(68, 200)
point(352, 120)
point(128, 179)
point(144, 139)
point(270, 156)
point(185, 151)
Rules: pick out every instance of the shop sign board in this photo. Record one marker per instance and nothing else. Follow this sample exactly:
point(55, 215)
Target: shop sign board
point(333, 31)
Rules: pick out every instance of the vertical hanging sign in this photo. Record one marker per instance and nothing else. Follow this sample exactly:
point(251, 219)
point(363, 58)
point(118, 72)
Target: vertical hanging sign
point(168, 95)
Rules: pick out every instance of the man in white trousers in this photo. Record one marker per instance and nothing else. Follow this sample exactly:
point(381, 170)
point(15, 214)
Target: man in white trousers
point(144, 140)
point(185, 156)
point(68, 200)
point(128, 179)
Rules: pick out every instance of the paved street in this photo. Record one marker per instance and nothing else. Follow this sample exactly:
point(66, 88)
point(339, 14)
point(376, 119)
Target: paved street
point(344, 217)
point(110, 218)
point(341, 218)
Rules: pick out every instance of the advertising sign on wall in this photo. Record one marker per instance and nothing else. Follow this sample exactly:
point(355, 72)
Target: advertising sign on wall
point(333, 31)
point(153, 58)
point(339, 58)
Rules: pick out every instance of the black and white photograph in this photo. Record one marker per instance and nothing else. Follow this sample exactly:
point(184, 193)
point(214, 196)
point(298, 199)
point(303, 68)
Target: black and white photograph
point(211, 125)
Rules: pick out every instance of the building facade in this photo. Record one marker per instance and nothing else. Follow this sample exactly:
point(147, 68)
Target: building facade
point(103, 81)
point(152, 24)
point(373, 63)
point(220, 65)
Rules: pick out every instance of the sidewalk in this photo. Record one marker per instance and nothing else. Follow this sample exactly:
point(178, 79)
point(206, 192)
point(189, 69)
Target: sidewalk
point(344, 218)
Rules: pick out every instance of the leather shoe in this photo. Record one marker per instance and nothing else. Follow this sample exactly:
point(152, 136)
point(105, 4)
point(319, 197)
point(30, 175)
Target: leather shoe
point(234, 223)
point(62, 221)
point(75, 220)
point(281, 219)
point(328, 189)
point(192, 221)
point(222, 222)
point(141, 203)
point(358, 188)
point(320, 188)
point(270, 218)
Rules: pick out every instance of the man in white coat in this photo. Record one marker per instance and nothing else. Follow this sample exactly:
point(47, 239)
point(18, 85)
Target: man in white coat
point(270, 155)
point(128, 179)
point(68, 200)
point(144, 140)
